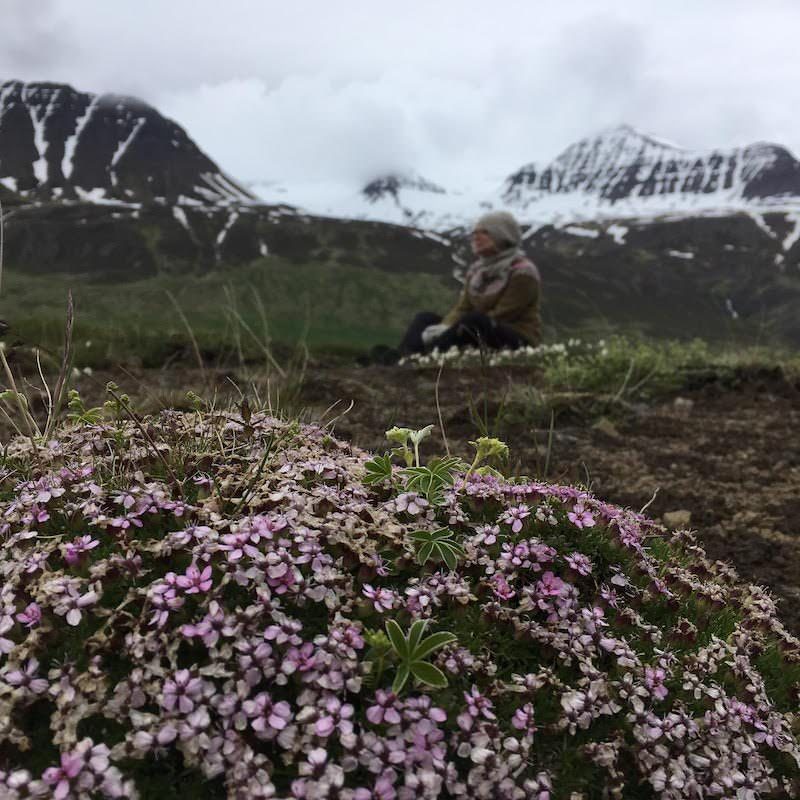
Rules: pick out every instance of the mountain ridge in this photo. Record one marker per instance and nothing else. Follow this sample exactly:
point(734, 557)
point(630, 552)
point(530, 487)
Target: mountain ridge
point(57, 143)
point(618, 173)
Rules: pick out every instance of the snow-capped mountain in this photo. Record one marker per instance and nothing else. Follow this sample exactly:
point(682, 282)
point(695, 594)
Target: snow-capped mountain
point(59, 143)
point(620, 173)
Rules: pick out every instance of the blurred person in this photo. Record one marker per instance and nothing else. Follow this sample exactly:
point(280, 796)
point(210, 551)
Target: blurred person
point(499, 304)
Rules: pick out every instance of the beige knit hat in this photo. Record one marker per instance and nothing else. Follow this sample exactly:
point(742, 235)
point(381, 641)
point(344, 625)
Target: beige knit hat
point(502, 227)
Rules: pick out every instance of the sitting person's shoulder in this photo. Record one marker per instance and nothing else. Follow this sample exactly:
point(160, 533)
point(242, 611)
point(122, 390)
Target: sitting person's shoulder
point(525, 267)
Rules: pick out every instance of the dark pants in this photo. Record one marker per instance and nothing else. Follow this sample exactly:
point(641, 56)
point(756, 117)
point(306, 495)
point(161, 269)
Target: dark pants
point(472, 330)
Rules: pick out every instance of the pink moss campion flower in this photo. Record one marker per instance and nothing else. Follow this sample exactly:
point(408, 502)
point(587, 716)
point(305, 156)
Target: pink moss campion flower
point(31, 616)
point(27, 679)
point(580, 516)
point(382, 599)
point(335, 714)
point(125, 522)
point(523, 720)
point(72, 604)
point(515, 517)
point(35, 514)
point(478, 706)
point(580, 563)
point(163, 597)
point(125, 499)
point(234, 544)
point(195, 580)
point(300, 659)
point(421, 707)
point(285, 631)
point(61, 777)
point(549, 585)
point(46, 489)
point(75, 549)
point(609, 596)
point(267, 718)
point(501, 587)
point(182, 691)
point(385, 709)
point(654, 680)
point(346, 640)
point(380, 565)
point(382, 790)
point(411, 503)
point(282, 575)
point(35, 562)
point(486, 535)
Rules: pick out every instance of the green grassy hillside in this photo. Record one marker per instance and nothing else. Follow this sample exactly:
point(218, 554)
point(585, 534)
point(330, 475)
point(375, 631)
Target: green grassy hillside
point(231, 313)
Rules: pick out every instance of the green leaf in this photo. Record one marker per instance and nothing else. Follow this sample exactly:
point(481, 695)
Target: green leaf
point(448, 556)
point(415, 634)
point(397, 638)
point(425, 552)
point(421, 536)
point(431, 643)
point(378, 469)
point(427, 673)
point(400, 678)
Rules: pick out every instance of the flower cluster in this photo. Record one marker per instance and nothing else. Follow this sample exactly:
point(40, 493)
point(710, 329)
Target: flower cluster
point(200, 600)
point(522, 356)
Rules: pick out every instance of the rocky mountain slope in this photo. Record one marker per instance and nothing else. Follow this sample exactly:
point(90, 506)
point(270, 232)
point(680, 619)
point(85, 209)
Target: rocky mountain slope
point(57, 143)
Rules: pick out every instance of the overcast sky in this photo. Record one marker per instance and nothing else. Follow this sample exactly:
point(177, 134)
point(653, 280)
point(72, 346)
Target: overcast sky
point(338, 92)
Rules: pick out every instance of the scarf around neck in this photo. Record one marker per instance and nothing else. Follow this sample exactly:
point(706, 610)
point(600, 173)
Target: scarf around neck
point(489, 275)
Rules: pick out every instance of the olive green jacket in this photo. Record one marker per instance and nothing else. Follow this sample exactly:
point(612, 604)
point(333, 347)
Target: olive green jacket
point(514, 303)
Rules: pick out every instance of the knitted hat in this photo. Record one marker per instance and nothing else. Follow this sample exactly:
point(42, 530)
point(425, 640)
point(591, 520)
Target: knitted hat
point(502, 227)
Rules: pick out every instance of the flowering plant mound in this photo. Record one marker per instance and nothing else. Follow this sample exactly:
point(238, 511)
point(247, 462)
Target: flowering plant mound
point(230, 605)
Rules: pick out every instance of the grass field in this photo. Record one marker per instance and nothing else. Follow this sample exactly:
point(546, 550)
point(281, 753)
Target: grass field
point(232, 314)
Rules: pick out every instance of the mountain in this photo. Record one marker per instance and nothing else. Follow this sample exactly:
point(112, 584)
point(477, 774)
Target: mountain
point(619, 173)
point(57, 143)
point(623, 173)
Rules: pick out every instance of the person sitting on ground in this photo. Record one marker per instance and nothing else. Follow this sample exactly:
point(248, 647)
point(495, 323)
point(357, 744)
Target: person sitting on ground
point(499, 305)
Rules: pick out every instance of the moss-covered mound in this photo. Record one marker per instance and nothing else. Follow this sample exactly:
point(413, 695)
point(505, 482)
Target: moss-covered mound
point(229, 605)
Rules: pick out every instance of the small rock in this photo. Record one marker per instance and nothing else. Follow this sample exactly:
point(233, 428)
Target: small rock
point(683, 406)
point(677, 520)
point(606, 426)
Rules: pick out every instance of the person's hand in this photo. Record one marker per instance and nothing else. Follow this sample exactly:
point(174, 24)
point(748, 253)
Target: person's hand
point(432, 332)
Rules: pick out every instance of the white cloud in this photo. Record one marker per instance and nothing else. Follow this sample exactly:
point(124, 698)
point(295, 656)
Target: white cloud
point(335, 93)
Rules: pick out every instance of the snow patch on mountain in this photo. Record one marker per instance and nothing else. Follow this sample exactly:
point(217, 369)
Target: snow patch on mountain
point(229, 223)
point(68, 162)
point(180, 216)
point(39, 116)
point(794, 233)
point(617, 232)
point(576, 230)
